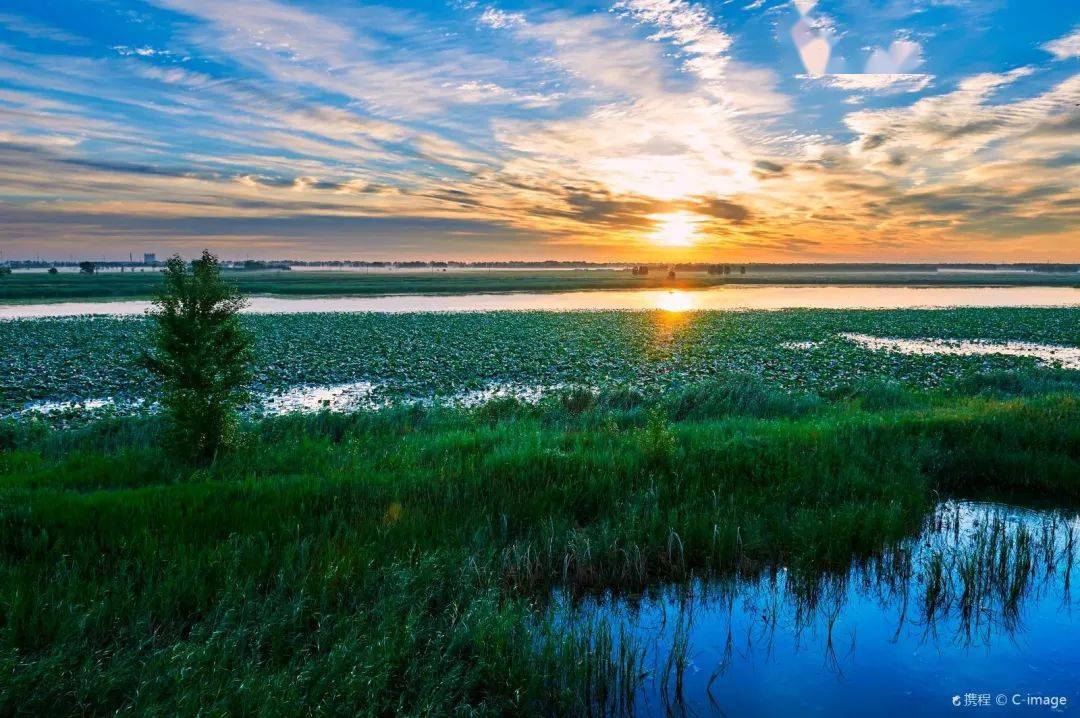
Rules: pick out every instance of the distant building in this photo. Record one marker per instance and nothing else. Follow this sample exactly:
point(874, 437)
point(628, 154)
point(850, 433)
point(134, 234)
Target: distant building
point(149, 258)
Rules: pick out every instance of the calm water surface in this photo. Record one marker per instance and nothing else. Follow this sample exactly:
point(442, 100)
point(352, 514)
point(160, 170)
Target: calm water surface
point(979, 603)
point(1047, 354)
point(731, 297)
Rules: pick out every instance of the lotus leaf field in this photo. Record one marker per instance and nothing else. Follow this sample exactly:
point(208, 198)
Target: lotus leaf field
point(418, 356)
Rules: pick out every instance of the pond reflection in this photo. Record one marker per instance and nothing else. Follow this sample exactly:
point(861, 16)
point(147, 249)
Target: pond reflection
point(980, 601)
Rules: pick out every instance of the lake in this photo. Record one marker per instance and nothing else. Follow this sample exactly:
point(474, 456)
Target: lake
point(977, 606)
point(740, 297)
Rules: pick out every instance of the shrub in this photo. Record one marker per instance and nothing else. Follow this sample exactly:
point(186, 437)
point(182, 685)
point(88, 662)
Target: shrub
point(736, 394)
point(201, 356)
point(577, 401)
point(878, 394)
point(1019, 383)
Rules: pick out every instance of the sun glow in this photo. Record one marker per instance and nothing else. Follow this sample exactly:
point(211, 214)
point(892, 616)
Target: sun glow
point(675, 301)
point(676, 229)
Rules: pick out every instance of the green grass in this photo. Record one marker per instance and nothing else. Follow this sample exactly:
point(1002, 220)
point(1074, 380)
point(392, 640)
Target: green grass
point(399, 562)
point(39, 287)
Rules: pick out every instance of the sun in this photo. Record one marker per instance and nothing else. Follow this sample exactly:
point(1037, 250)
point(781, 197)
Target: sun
point(675, 301)
point(675, 229)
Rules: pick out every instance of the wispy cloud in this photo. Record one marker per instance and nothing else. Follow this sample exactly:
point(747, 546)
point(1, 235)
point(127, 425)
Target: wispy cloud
point(875, 82)
point(1065, 47)
point(36, 29)
point(498, 19)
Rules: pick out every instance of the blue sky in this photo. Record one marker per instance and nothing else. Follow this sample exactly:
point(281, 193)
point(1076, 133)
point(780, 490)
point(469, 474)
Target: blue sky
point(760, 130)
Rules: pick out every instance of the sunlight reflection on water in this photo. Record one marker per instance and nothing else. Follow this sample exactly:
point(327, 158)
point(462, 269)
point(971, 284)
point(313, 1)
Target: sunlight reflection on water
point(673, 300)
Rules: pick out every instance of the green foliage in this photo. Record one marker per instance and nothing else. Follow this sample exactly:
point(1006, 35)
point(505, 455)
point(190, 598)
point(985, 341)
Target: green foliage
point(201, 356)
point(5, 272)
point(398, 562)
point(411, 356)
point(577, 401)
point(1005, 383)
point(739, 394)
point(87, 268)
point(879, 393)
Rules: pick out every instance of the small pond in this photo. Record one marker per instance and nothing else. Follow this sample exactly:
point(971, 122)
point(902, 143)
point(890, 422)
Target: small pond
point(976, 608)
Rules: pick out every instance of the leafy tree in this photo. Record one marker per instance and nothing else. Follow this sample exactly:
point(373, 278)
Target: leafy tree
point(201, 356)
point(5, 271)
point(54, 270)
point(87, 267)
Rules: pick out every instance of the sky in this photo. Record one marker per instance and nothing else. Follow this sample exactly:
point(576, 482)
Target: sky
point(647, 130)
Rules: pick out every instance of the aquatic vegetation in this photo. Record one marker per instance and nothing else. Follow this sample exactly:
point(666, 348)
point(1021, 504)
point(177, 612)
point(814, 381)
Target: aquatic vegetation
point(422, 356)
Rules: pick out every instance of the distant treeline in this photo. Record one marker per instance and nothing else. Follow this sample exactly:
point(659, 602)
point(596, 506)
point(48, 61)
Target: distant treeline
point(690, 266)
point(99, 264)
point(249, 264)
point(284, 264)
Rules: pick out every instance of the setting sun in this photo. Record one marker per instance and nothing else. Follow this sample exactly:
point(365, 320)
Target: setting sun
point(676, 229)
point(675, 301)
